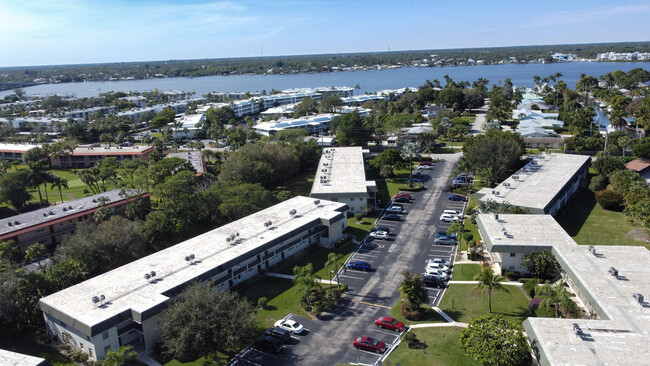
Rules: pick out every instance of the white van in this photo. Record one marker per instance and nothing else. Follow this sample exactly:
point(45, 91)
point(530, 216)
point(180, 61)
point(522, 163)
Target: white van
point(453, 213)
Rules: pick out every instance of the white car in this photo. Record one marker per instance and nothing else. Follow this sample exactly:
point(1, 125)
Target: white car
point(449, 218)
point(444, 262)
point(453, 213)
point(379, 235)
point(425, 167)
point(436, 266)
point(437, 273)
point(290, 325)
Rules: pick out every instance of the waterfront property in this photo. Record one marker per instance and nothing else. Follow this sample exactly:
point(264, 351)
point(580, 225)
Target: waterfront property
point(268, 101)
point(124, 306)
point(609, 281)
point(48, 225)
point(341, 177)
point(187, 125)
point(86, 113)
point(312, 124)
point(544, 185)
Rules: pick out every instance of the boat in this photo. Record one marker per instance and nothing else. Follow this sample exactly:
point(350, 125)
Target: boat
point(602, 105)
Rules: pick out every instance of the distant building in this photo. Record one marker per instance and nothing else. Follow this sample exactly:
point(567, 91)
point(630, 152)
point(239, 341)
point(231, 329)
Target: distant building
point(360, 99)
point(190, 124)
point(48, 225)
point(85, 114)
point(641, 166)
point(193, 157)
point(138, 100)
point(339, 91)
point(341, 177)
point(543, 186)
point(125, 305)
point(268, 101)
point(546, 142)
point(312, 124)
point(564, 57)
point(87, 156)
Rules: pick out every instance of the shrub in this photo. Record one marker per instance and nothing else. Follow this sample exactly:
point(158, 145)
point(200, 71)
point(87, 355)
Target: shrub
point(545, 312)
point(358, 216)
point(412, 315)
point(530, 286)
point(534, 304)
point(642, 150)
point(262, 302)
point(411, 339)
point(598, 183)
point(83, 357)
point(514, 275)
point(336, 293)
point(609, 200)
point(468, 237)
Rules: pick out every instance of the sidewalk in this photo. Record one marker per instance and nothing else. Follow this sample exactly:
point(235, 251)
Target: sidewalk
point(290, 277)
point(476, 282)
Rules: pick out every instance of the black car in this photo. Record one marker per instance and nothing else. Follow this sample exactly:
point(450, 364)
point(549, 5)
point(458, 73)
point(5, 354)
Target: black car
point(277, 332)
point(381, 228)
point(268, 343)
point(391, 217)
point(401, 199)
point(432, 281)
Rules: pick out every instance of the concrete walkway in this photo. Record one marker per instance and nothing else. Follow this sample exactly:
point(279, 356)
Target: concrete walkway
point(435, 325)
point(476, 282)
point(290, 277)
point(148, 360)
point(479, 123)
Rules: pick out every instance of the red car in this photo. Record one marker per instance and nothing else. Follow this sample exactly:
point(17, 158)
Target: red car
point(401, 194)
point(390, 323)
point(369, 344)
point(425, 163)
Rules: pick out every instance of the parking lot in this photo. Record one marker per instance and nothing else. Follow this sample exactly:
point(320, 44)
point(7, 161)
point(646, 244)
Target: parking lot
point(374, 292)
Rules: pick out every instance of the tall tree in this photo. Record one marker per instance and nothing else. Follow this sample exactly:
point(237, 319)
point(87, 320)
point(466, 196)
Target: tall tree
point(488, 282)
point(13, 189)
point(493, 341)
point(409, 151)
point(556, 297)
point(332, 264)
point(36, 251)
point(412, 290)
point(306, 280)
point(120, 357)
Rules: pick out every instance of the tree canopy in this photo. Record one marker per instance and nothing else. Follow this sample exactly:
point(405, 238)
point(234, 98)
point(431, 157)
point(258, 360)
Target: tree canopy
point(494, 155)
point(494, 341)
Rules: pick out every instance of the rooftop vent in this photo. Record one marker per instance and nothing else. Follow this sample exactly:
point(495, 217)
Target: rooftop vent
point(9, 223)
point(293, 212)
point(496, 217)
point(65, 209)
point(69, 207)
point(44, 214)
point(268, 223)
point(150, 275)
point(189, 258)
point(576, 330)
point(613, 271)
point(317, 202)
point(515, 177)
point(638, 297)
point(16, 222)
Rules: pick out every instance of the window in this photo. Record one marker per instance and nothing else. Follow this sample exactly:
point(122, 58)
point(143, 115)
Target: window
point(513, 254)
point(107, 348)
point(352, 199)
point(361, 199)
point(81, 345)
point(105, 335)
point(90, 352)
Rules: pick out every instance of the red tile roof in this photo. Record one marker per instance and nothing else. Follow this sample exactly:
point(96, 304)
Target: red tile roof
point(638, 165)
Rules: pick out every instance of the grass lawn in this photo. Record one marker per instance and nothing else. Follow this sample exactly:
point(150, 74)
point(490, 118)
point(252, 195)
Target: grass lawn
point(361, 229)
point(590, 224)
point(283, 298)
point(299, 185)
point(465, 271)
point(438, 346)
point(463, 304)
point(48, 353)
point(431, 316)
point(317, 256)
point(469, 226)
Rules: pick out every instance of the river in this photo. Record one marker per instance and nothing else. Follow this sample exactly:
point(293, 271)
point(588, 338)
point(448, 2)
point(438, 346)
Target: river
point(369, 81)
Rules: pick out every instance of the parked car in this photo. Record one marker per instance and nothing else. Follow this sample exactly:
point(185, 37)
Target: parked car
point(381, 228)
point(394, 210)
point(425, 163)
point(379, 235)
point(443, 234)
point(454, 213)
point(441, 261)
point(391, 217)
point(457, 197)
point(401, 199)
point(436, 266)
point(437, 273)
point(360, 266)
point(425, 167)
point(449, 218)
point(369, 344)
point(389, 323)
point(433, 281)
point(414, 180)
point(444, 241)
point(290, 325)
point(402, 194)
point(280, 333)
point(268, 343)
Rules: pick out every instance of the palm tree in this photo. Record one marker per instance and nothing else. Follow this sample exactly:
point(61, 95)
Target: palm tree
point(624, 142)
point(488, 281)
point(120, 357)
point(357, 87)
point(333, 262)
point(59, 182)
point(410, 150)
point(306, 280)
point(555, 296)
point(411, 288)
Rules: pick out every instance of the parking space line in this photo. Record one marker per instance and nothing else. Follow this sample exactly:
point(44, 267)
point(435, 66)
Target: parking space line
point(356, 278)
point(371, 304)
point(365, 254)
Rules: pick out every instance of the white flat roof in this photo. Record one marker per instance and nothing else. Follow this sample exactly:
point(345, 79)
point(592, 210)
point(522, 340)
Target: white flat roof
point(344, 172)
point(8, 358)
point(17, 147)
point(622, 336)
point(105, 150)
point(125, 288)
point(538, 182)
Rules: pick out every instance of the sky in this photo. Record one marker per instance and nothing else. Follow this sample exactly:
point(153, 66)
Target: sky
point(52, 32)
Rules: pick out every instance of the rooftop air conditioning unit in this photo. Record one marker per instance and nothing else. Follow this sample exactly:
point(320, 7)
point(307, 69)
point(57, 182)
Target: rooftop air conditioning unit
point(638, 297)
point(496, 217)
point(317, 202)
point(613, 271)
point(576, 330)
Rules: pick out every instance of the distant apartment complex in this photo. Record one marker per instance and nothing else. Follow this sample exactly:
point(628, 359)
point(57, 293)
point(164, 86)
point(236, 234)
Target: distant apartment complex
point(312, 124)
point(543, 186)
point(124, 306)
point(81, 157)
point(48, 225)
point(623, 56)
point(341, 177)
